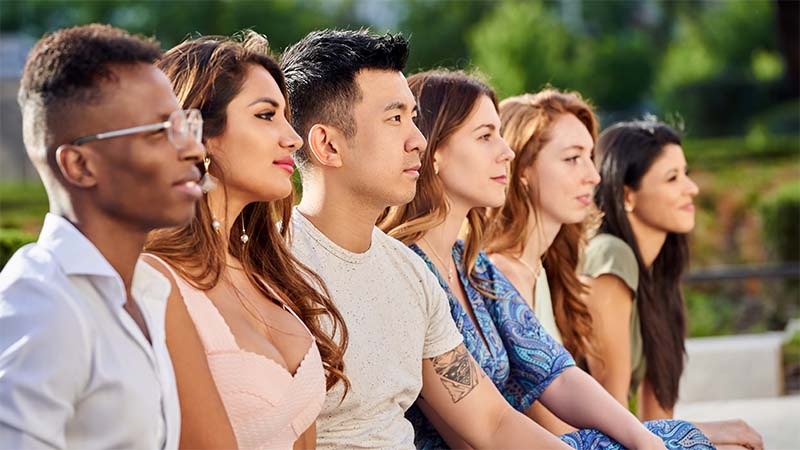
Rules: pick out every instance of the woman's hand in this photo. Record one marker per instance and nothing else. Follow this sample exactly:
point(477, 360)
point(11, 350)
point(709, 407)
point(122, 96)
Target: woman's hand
point(650, 441)
point(732, 432)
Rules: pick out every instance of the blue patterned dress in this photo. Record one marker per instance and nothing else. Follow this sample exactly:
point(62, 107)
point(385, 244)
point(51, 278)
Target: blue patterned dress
point(522, 359)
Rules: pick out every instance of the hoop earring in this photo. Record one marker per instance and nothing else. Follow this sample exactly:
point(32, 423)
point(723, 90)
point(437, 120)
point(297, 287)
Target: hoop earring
point(244, 237)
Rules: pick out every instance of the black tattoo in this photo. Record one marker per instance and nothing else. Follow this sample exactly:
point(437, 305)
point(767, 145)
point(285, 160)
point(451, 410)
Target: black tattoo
point(458, 373)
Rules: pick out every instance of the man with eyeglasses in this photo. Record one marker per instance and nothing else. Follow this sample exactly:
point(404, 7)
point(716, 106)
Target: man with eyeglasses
point(83, 357)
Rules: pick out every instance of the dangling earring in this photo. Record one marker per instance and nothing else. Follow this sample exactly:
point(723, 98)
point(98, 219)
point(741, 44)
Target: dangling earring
point(209, 182)
point(244, 237)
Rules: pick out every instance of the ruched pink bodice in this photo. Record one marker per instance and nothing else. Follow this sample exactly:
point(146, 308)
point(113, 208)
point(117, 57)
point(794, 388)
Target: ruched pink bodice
point(268, 407)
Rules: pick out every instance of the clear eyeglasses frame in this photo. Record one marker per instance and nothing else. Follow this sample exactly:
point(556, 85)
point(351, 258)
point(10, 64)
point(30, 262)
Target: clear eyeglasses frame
point(183, 128)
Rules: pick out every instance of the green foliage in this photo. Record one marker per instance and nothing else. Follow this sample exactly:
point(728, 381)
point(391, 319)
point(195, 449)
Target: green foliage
point(522, 46)
point(11, 241)
point(722, 66)
point(708, 316)
point(23, 206)
point(780, 214)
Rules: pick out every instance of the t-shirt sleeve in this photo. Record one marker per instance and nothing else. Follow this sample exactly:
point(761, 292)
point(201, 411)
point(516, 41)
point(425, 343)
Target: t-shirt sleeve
point(609, 255)
point(442, 334)
point(39, 381)
point(535, 358)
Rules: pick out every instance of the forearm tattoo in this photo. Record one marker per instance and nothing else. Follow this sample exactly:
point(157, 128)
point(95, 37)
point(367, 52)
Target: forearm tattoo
point(458, 373)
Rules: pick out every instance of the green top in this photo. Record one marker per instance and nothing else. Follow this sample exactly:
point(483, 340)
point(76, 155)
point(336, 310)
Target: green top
point(608, 254)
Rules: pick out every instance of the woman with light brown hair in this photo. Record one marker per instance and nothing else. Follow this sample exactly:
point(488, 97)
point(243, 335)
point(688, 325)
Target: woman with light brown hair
point(251, 338)
point(464, 169)
point(536, 237)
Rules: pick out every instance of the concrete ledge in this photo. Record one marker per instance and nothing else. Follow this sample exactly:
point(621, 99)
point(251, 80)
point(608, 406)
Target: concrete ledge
point(775, 418)
point(733, 367)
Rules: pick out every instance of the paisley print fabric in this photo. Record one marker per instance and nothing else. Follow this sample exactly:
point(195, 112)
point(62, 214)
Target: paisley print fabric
point(522, 359)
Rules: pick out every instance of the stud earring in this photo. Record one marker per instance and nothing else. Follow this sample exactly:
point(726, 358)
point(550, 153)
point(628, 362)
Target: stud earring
point(628, 208)
point(244, 237)
point(435, 168)
point(209, 182)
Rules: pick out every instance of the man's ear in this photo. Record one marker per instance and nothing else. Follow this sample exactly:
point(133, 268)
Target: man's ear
point(324, 144)
point(76, 165)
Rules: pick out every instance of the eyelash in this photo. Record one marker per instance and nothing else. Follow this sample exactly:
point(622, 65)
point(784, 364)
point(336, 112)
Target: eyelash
point(485, 137)
point(266, 116)
point(573, 159)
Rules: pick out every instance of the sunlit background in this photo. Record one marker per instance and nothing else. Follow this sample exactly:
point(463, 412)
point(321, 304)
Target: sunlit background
point(725, 72)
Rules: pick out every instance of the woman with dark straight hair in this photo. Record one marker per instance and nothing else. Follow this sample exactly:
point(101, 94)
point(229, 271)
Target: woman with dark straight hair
point(634, 266)
point(257, 375)
point(464, 169)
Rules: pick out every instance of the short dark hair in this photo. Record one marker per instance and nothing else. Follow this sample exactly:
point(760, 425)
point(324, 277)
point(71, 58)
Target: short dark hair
point(320, 73)
point(64, 69)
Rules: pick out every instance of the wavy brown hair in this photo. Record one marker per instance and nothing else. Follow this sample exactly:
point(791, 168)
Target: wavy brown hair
point(445, 100)
point(207, 73)
point(525, 125)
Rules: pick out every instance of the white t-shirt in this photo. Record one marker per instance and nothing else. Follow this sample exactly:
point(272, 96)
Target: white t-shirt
point(397, 315)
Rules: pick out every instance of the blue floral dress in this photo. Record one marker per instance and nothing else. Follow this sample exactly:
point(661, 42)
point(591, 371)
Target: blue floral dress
point(522, 359)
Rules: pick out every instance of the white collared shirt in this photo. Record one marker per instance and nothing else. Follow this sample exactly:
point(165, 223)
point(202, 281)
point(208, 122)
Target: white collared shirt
point(75, 369)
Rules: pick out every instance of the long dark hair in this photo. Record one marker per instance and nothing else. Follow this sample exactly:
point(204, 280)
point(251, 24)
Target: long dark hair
point(625, 152)
point(445, 99)
point(206, 74)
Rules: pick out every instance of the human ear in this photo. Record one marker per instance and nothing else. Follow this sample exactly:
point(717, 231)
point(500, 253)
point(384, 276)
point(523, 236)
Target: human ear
point(76, 165)
point(629, 199)
point(324, 144)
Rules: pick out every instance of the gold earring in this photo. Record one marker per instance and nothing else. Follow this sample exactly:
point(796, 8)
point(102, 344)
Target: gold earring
point(209, 182)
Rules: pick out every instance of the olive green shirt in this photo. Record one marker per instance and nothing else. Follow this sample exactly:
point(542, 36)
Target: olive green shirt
point(609, 255)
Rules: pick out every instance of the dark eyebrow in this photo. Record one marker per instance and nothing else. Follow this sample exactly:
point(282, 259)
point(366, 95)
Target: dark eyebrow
point(264, 100)
point(490, 126)
point(398, 105)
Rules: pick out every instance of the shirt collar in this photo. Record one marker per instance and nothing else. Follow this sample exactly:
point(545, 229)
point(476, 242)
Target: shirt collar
point(77, 255)
point(74, 252)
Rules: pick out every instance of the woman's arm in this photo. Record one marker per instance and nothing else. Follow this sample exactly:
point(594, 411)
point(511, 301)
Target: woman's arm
point(649, 407)
point(204, 422)
point(544, 417)
point(568, 396)
point(610, 303)
point(307, 440)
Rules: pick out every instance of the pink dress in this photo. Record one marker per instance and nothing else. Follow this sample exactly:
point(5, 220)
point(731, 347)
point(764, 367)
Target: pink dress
point(268, 407)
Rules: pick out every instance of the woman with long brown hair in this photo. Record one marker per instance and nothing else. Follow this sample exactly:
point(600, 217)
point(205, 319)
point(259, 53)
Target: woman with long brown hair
point(257, 375)
point(464, 169)
point(535, 238)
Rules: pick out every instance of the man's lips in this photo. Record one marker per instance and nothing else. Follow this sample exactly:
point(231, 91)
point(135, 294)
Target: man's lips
point(286, 164)
point(190, 184)
point(413, 170)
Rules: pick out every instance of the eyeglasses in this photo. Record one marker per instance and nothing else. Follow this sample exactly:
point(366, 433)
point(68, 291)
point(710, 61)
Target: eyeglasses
point(183, 127)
